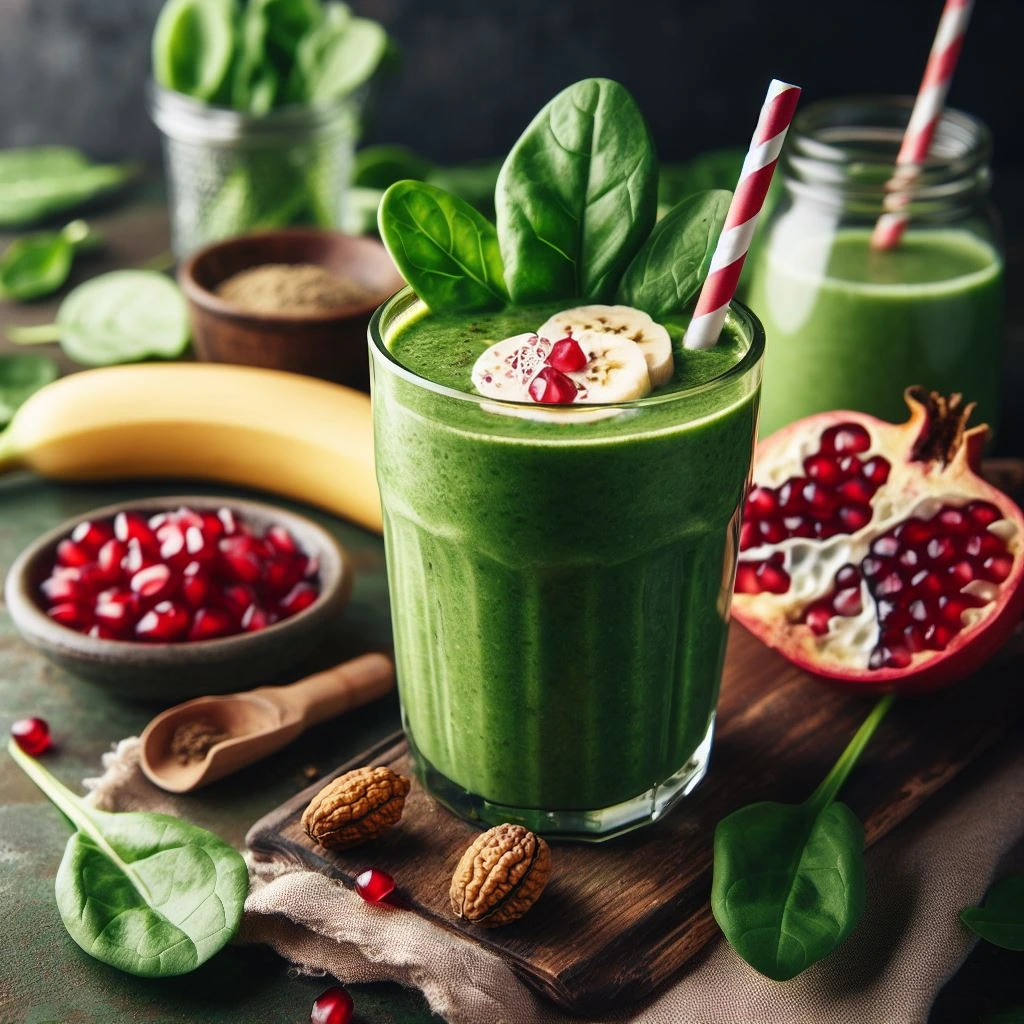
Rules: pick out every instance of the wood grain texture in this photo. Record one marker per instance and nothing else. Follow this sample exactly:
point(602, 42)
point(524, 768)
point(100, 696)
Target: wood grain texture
point(618, 920)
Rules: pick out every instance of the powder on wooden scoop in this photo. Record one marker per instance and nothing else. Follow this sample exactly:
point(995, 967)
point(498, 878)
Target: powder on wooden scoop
point(193, 740)
point(292, 288)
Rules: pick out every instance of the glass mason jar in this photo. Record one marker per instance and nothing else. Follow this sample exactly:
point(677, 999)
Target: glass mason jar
point(850, 327)
point(229, 172)
point(560, 586)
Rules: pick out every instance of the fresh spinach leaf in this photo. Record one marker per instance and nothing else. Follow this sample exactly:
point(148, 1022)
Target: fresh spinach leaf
point(672, 264)
point(444, 248)
point(120, 317)
point(576, 196)
point(146, 893)
point(1000, 919)
point(32, 162)
point(21, 376)
point(788, 883)
point(193, 44)
point(381, 166)
point(339, 62)
point(39, 264)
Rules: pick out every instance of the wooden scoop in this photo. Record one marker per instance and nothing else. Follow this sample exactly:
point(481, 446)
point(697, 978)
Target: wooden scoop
point(256, 723)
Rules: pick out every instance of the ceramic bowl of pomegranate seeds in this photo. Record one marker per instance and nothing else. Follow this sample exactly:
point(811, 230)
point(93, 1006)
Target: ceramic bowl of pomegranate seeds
point(168, 598)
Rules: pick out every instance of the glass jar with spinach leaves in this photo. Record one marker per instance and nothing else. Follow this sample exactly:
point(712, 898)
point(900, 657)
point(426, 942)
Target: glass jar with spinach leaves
point(230, 172)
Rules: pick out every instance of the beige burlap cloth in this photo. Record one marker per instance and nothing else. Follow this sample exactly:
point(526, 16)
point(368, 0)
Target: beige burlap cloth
point(888, 972)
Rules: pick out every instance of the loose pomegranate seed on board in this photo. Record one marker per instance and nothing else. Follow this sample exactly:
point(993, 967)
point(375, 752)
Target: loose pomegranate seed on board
point(334, 1006)
point(374, 886)
point(32, 735)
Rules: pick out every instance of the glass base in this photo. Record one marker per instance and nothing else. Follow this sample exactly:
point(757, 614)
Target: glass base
point(588, 826)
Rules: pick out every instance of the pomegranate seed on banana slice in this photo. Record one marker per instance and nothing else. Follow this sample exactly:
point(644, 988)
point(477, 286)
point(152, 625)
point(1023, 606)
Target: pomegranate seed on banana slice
point(615, 370)
point(623, 322)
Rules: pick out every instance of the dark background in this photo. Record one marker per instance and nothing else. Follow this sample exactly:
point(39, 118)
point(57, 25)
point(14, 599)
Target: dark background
point(475, 71)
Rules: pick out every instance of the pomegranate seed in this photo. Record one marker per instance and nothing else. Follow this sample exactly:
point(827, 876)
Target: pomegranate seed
point(195, 584)
point(163, 623)
point(821, 503)
point(117, 609)
point(984, 545)
point(997, 568)
point(132, 526)
point(172, 545)
point(893, 656)
point(856, 490)
point(154, 583)
point(239, 560)
point(773, 579)
point(199, 546)
point(772, 531)
point(952, 609)
point(873, 567)
point(136, 558)
point(110, 557)
point(876, 471)
point(254, 618)
point(91, 536)
point(926, 583)
point(847, 437)
point(552, 387)
point(919, 611)
point(909, 558)
point(818, 617)
point(963, 573)
point(72, 614)
point(567, 356)
point(212, 526)
point(210, 623)
point(302, 595)
point(334, 1006)
point(983, 513)
point(32, 735)
point(101, 632)
point(70, 553)
point(747, 536)
point(855, 517)
point(941, 549)
point(280, 575)
point(937, 637)
point(374, 886)
point(847, 576)
point(57, 589)
point(913, 637)
point(186, 517)
point(310, 567)
point(889, 585)
point(281, 540)
point(848, 602)
point(746, 579)
point(885, 547)
point(822, 469)
point(849, 466)
point(237, 598)
point(791, 495)
point(916, 532)
point(229, 524)
point(954, 519)
point(762, 501)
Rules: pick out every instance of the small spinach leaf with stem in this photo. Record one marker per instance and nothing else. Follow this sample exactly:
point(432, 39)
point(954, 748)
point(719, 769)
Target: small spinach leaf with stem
point(788, 883)
point(672, 264)
point(1000, 919)
point(120, 317)
point(443, 247)
point(146, 893)
point(576, 196)
point(39, 264)
point(21, 376)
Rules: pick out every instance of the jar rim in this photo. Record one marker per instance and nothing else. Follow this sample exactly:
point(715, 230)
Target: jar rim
point(403, 303)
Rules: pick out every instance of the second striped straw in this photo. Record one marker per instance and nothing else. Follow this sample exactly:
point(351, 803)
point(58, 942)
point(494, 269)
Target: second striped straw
point(741, 220)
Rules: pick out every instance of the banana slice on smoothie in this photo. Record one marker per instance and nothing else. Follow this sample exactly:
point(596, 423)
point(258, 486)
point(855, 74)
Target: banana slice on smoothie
point(621, 321)
point(597, 368)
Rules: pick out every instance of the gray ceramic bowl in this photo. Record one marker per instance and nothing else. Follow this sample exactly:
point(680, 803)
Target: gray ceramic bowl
point(176, 671)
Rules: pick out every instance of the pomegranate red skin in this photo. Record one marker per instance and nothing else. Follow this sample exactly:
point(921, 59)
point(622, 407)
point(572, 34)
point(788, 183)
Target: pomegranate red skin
point(973, 646)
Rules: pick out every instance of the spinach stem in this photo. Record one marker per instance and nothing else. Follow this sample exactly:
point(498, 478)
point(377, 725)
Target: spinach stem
point(833, 782)
point(34, 335)
point(56, 792)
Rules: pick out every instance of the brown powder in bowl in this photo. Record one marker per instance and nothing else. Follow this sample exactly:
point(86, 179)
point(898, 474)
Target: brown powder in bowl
point(292, 288)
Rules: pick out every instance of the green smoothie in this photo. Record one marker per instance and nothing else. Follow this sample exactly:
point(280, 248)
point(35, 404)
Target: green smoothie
point(850, 328)
point(560, 589)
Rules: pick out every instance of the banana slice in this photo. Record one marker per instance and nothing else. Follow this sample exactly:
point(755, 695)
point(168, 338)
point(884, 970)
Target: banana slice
point(615, 371)
point(624, 322)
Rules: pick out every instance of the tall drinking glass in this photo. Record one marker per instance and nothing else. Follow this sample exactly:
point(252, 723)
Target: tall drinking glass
point(560, 587)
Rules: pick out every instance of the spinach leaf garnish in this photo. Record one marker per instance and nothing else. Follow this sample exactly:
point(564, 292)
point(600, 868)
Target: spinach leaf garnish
point(672, 264)
point(1000, 919)
point(146, 893)
point(788, 884)
point(443, 247)
point(576, 196)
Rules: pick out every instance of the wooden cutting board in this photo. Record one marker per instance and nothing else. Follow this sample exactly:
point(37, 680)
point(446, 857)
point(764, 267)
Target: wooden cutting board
point(618, 920)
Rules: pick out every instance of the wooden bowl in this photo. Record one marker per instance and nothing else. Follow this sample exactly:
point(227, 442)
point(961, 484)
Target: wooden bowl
point(176, 671)
point(331, 344)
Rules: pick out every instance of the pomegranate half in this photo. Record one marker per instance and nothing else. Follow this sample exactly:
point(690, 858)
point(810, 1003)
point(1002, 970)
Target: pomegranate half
point(874, 554)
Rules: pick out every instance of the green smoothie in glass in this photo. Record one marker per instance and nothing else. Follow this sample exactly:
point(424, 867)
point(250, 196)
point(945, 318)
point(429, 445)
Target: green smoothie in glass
point(560, 561)
point(850, 327)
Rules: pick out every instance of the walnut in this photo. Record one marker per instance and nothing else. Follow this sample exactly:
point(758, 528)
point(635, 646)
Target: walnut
point(500, 876)
point(355, 807)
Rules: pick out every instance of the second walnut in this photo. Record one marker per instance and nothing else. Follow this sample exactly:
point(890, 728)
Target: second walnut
point(356, 807)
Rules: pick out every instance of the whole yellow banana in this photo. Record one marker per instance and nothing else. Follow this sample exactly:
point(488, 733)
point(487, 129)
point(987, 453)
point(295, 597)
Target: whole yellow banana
point(280, 432)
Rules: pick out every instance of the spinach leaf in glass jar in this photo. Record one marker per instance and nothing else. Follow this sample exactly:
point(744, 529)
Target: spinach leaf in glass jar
point(193, 45)
point(146, 893)
point(1000, 919)
point(672, 264)
point(21, 376)
point(444, 248)
point(39, 264)
point(576, 196)
point(788, 883)
point(120, 317)
point(338, 56)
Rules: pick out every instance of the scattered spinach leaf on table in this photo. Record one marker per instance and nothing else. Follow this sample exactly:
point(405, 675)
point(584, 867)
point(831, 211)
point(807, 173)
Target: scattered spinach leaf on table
point(444, 248)
point(21, 376)
point(146, 893)
point(193, 46)
point(39, 264)
point(672, 264)
point(1000, 919)
point(120, 317)
point(788, 884)
point(576, 196)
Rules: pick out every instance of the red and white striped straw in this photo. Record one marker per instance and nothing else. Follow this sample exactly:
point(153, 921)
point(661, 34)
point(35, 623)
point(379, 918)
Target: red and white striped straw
point(755, 177)
point(924, 119)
